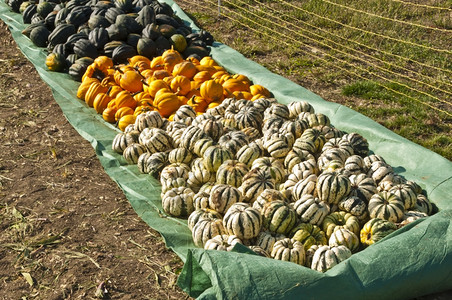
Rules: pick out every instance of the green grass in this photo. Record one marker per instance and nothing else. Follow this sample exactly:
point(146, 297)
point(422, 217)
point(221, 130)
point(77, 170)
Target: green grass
point(350, 57)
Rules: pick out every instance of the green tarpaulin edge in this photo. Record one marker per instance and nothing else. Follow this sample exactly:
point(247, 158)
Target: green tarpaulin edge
point(406, 264)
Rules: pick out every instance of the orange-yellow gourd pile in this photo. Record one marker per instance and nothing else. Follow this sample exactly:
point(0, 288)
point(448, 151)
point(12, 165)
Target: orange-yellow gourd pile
point(122, 92)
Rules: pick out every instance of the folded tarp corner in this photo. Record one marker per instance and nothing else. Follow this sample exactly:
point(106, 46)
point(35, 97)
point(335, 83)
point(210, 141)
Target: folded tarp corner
point(413, 261)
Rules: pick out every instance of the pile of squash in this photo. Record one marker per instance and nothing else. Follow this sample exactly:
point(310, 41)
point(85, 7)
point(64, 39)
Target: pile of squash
point(78, 31)
point(122, 92)
point(281, 180)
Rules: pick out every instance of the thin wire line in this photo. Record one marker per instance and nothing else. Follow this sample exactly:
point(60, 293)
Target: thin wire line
point(422, 5)
point(322, 59)
point(358, 51)
point(386, 18)
point(370, 48)
point(345, 53)
point(366, 31)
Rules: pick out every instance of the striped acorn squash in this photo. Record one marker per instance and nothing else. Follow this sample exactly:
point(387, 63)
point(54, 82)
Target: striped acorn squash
point(359, 143)
point(155, 163)
point(406, 193)
point(180, 155)
point(223, 196)
point(201, 200)
point(150, 119)
point(212, 128)
point(277, 109)
point(298, 107)
point(133, 152)
point(222, 242)
point(355, 206)
point(311, 210)
point(312, 140)
point(271, 165)
point(344, 237)
point(156, 140)
point(178, 201)
point(267, 196)
point(308, 235)
point(326, 257)
point(332, 187)
point(233, 140)
point(289, 250)
point(254, 183)
point(362, 187)
point(249, 153)
point(306, 186)
point(386, 206)
point(122, 140)
point(266, 240)
point(231, 172)
point(206, 229)
point(355, 165)
point(375, 229)
point(201, 213)
point(338, 220)
point(214, 156)
point(278, 217)
point(243, 221)
point(424, 205)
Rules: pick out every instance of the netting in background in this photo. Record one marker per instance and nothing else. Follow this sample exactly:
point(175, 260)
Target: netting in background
point(404, 47)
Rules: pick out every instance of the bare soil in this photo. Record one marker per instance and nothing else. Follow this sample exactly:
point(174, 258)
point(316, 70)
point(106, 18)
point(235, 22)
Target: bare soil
point(66, 229)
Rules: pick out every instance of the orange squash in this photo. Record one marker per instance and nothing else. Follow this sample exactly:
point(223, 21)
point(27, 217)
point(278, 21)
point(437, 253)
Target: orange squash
point(194, 60)
point(170, 59)
point(185, 68)
point(109, 114)
point(168, 79)
point(257, 96)
point(259, 89)
point(104, 63)
point(84, 86)
point(101, 101)
point(147, 73)
point(93, 71)
point(180, 85)
point(123, 111)
point(157, 63)
point(166, 103)
point(232, 85)
point(218, 74)
point(114, 90)
point(153, 86)
point(131, 81)
point(138, 58)
point(211, 91)
point(142, 109)
point(202, 76)
point(94, 89)
point(242, 78)
point(125, 99)
point(160, 74)
point(199, 104)
point(143, 98)
point(208, 61)
point(125, 121)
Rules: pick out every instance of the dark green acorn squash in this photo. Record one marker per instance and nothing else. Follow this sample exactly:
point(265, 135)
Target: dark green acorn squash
point(146, 16)
point(84, 48)
point(151, 31)
point(147, 47)
point(96, 21)
point(44, 8)
point(28, 13)
point(78, 68)
point(165, 19)
point(39, 36)
point(60, 18)
point(122, 53)
point(117, 33)
point(112, 13)
point(99, 37)
point(129, 23)
point(132, 39)
point(125, 5)
point(111, 46)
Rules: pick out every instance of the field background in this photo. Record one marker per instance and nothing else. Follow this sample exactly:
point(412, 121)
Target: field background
point(390, 60)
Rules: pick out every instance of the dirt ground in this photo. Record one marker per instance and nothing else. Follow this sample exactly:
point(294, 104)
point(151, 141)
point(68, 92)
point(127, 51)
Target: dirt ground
point(66, 229)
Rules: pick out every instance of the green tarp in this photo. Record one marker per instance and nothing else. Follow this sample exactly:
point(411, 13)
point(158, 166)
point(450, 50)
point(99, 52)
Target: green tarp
point(413, 261)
